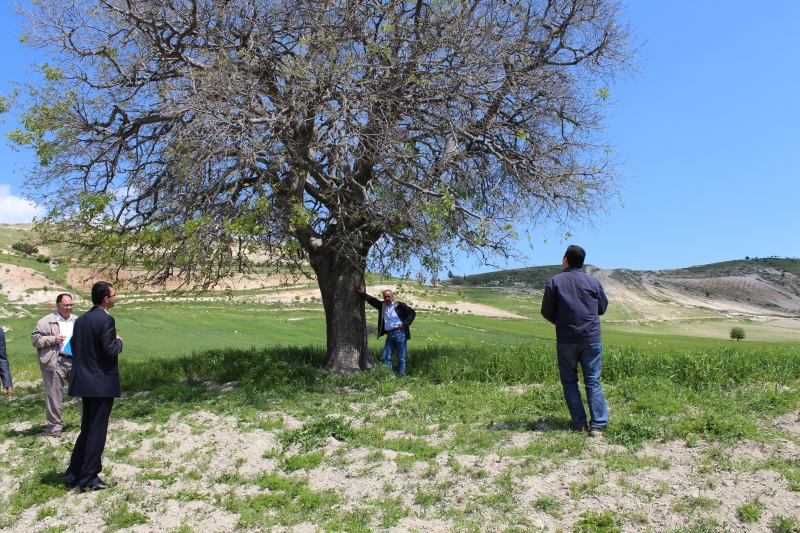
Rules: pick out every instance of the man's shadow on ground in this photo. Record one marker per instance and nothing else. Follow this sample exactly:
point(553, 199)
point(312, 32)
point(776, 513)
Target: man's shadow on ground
point(544, 425)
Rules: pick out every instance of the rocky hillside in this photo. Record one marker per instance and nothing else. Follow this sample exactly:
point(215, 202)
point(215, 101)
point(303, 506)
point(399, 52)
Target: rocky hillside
point(756, 287)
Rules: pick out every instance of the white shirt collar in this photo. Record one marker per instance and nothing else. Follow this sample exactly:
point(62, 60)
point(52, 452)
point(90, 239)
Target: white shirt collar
point(62, 319)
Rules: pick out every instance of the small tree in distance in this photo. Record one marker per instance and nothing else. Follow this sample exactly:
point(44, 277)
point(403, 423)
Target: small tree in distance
point(25, 248)
point(737, 333)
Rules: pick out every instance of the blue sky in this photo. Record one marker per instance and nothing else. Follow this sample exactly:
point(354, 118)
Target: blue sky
point(709, 135)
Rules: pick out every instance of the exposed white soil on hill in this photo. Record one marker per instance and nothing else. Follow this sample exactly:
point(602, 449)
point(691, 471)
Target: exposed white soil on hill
point(183, 472)
point(83, 278)
point(26, 285)
point(667, 295)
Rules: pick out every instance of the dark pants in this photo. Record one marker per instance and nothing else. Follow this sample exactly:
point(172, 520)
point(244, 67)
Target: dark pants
point(85, 463)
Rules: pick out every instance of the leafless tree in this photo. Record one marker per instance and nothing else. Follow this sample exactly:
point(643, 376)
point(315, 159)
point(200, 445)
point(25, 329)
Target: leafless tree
point(184, 137)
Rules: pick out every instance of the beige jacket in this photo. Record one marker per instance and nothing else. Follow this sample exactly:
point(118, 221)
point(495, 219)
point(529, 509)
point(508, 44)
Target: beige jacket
point(44, 340)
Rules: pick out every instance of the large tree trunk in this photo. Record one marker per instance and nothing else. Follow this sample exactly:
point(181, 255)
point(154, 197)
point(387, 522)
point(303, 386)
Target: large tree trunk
point(344, 312)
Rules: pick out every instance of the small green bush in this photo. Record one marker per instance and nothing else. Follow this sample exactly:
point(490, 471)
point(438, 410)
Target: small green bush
point(784, 524)
point(737, 333)
point(25, 248)
point(750, 512)
point(592, 522)
point(314, 434)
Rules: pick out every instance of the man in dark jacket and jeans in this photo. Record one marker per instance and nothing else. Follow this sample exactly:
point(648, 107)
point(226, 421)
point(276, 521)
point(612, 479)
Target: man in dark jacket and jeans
point(573, 301)
point(394, 319)
point(5, 373)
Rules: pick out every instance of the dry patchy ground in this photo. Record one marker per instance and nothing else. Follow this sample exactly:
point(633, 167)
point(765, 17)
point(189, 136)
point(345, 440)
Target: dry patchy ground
point(188, 473)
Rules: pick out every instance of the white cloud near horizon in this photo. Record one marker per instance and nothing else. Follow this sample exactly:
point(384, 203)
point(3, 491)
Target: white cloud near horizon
point(16, 210)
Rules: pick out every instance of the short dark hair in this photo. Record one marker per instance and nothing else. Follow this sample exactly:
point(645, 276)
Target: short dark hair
point(61, 297)
point(575, 256)
point(100, 290)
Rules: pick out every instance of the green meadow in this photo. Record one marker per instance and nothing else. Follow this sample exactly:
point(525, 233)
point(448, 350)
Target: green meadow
point(456, 443)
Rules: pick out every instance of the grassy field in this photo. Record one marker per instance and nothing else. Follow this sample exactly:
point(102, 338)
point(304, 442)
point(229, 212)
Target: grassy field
point(226, 424)
point(257, 435)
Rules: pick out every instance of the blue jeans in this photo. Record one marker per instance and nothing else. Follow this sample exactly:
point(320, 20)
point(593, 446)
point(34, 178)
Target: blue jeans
point(395, 341)
point(589, 356)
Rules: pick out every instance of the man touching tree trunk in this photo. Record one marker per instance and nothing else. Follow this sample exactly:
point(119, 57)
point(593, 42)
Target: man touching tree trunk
point(394, 320)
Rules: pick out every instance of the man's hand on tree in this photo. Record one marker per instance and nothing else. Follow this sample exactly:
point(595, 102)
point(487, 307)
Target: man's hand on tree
point(361, 289)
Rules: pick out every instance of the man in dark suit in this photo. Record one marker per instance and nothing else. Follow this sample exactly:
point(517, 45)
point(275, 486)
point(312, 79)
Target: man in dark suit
point(95, 378)
point(5, 373)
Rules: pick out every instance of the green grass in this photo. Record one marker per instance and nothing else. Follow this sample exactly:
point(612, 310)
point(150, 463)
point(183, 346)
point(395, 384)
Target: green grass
point(692, 504)
point(120, 517)
point(550, 504)
point(719, 394)
point(593, 522)
point(288, 502)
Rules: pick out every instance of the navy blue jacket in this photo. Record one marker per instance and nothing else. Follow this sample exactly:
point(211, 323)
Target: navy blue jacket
point(95, 348)
point(403, 310)
point(5, 373)
point(573, 301)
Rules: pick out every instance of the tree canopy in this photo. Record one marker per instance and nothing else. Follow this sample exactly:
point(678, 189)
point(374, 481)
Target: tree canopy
point(183, 137)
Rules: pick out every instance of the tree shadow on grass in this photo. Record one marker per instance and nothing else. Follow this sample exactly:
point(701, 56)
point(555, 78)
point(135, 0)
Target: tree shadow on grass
point(544, 425)
point(267, 365)
point(51, 479)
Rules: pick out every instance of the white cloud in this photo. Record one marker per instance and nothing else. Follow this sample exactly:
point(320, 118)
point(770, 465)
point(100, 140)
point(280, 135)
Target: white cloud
point(16, 210)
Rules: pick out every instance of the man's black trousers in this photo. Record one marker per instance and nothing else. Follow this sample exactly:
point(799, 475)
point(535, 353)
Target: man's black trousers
point(85, 464)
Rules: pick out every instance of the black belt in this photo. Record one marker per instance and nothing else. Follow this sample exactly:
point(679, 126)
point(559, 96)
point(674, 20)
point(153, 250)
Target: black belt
point(65, 355)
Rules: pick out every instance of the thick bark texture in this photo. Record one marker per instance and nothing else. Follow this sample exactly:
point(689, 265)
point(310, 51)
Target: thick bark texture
point(338, 280)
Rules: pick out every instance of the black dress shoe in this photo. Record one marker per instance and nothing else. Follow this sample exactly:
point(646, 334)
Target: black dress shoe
point(71, 485)
point(97, 486)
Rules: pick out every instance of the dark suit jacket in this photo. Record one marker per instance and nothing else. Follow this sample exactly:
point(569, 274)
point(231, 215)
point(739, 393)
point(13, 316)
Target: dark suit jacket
point(95, 348)
point(403, 310)
point(5, 374)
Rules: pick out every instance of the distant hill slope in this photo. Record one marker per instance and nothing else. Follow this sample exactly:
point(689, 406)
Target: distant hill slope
point(756, 287)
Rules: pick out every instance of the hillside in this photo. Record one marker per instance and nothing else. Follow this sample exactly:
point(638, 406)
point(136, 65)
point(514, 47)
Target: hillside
point(702, 301)
point(760, 287)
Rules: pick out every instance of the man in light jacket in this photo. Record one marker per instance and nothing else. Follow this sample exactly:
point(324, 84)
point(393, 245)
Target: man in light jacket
point(51, 338)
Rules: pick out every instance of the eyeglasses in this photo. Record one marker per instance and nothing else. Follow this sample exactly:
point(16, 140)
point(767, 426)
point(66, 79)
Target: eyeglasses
point(65, 305)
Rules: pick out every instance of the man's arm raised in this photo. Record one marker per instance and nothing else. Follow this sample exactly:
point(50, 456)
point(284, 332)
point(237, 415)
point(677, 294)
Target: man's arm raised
point(370, 300)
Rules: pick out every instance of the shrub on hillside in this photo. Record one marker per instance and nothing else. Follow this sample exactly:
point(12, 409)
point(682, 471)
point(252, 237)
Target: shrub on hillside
point(25, 248)
point(737, 334)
